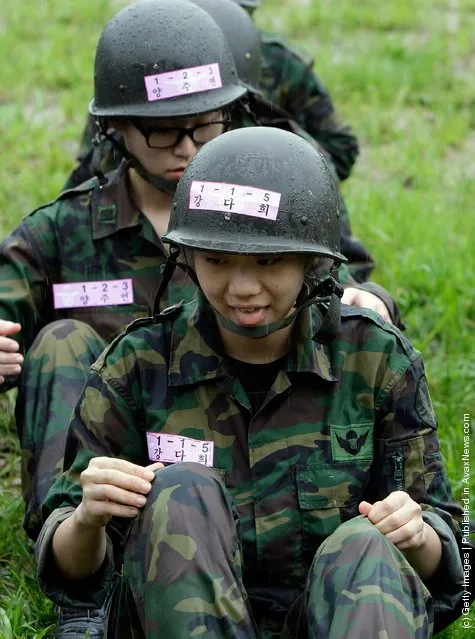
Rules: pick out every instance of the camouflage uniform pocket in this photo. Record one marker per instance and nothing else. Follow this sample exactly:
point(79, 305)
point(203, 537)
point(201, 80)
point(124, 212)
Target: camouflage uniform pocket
point(328, 494)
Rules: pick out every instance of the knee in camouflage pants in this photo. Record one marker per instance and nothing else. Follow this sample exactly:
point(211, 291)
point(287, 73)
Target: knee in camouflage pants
point(182, 574)
point(53, 375)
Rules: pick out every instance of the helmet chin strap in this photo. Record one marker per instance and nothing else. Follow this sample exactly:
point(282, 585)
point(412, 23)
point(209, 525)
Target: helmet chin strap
point(167, 186)
point(258, 332)
point(325, 294)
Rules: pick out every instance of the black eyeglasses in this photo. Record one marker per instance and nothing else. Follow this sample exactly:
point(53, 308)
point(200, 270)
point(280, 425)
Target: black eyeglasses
point(165, 137)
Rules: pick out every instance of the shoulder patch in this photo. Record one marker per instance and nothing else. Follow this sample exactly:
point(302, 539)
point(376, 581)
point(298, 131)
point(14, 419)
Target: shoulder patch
point(282, 42)
point(423, 403)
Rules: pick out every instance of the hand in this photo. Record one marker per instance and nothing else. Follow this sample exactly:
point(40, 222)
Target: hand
point(113, 488)
point(399, 518)
point(10, 360)
point(365, 299)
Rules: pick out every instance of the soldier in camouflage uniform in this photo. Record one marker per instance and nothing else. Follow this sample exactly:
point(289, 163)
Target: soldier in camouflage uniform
point(258, 462)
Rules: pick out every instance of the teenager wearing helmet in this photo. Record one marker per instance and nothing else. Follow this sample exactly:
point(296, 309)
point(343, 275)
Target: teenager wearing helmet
point(258, 462)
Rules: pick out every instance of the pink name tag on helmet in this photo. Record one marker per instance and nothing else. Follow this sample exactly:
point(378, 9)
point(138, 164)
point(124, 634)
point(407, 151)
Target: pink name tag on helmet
point(166, 448)
point(234, 198)
point(173, 83)
point(103, 293)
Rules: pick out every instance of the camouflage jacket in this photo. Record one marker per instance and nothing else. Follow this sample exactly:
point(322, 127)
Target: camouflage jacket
point(288, 79)
point(341, 423)
point(90, 234)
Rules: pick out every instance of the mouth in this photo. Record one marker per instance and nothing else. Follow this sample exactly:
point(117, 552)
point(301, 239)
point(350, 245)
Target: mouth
point(176, 173)
point(249, 315)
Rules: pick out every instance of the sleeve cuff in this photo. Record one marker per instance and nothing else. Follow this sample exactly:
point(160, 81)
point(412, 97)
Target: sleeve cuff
point(87, 593)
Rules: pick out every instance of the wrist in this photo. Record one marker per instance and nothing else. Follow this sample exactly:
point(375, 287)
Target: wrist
point(85, 525)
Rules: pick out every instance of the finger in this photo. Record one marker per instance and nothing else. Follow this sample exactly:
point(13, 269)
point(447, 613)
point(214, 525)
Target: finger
point(383, 508)
point(8, 345)
point(112, 493)
point(382, 309)
point(155, 466)
point(112, 477)
point(395, 511)
point(101, 510)
point(408, 536)
point(349, 296)
point(10, 358)
point(9, 328)
point(395, 521)
point(122, 465)
point(365, 299)
point(365, 507)
point(8, 370)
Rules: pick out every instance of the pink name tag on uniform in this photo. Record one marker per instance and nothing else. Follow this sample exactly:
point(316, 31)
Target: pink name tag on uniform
point(166, 448)
point(234, 198)
point(173, 83)
point(103, 293)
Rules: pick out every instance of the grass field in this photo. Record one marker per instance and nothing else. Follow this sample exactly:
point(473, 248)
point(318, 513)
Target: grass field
point(401, 72)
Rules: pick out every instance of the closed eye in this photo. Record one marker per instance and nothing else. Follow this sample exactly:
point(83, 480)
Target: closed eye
point(269, 261)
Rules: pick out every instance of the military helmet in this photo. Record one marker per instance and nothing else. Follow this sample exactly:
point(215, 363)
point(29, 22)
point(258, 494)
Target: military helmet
point(243, 37)
point(164, 58)
point(252, 4)
point(257, 190)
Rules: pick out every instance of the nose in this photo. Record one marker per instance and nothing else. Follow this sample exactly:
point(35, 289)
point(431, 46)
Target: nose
point(186, 148)
point(243, 283)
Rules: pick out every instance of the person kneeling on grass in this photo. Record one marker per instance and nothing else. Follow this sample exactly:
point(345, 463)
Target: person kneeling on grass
point(261, 461)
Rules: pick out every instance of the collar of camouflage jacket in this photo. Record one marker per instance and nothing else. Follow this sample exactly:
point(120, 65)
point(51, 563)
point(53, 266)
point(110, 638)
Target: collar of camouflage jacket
point(195, 340)
point(112, 206)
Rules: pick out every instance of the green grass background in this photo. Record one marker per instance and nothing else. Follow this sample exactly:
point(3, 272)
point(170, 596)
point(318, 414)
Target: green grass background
point(399, 71)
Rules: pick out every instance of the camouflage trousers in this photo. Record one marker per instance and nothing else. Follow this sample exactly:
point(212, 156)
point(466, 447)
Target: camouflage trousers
point(183, 575)
point(52, 379)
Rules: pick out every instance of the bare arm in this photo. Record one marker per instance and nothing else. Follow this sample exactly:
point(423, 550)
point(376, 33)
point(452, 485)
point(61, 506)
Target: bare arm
point(111, 488)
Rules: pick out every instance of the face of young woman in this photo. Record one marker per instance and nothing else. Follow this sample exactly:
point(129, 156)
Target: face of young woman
point(250, 290)
point(169, 163)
